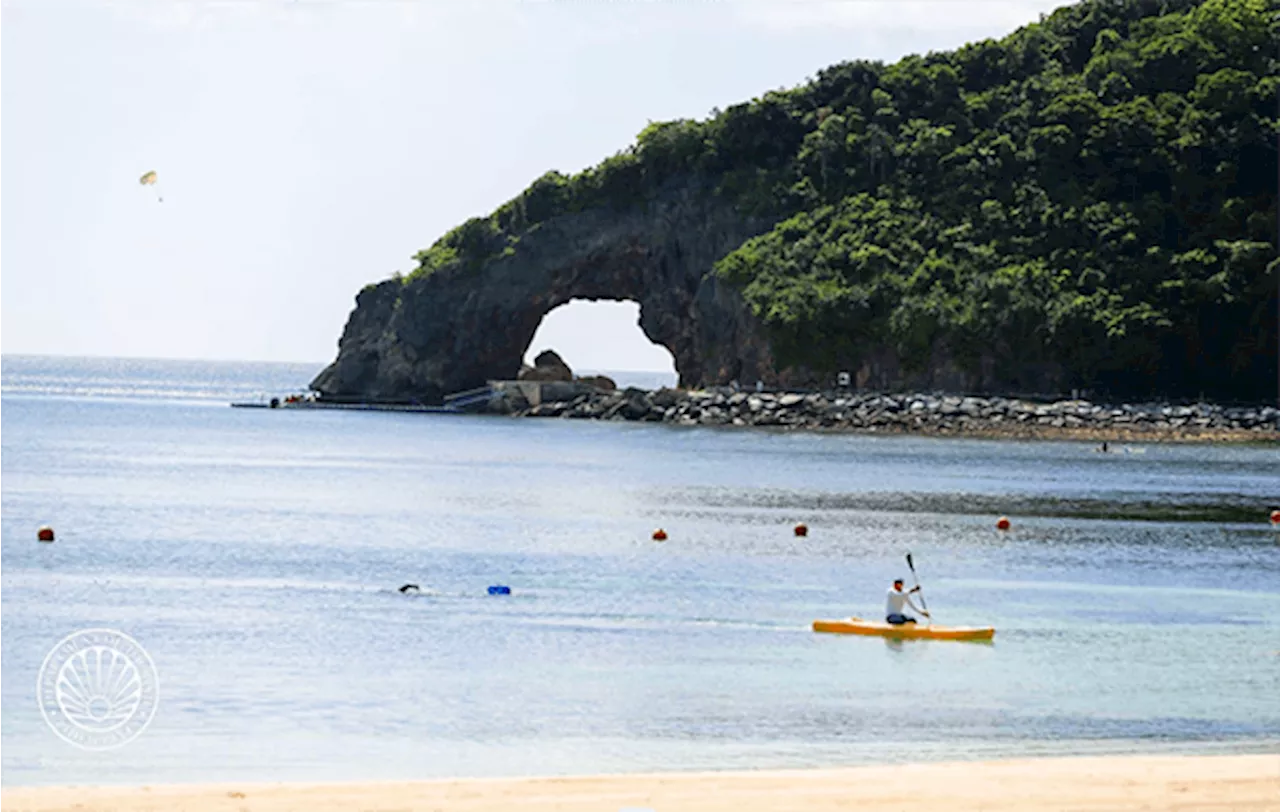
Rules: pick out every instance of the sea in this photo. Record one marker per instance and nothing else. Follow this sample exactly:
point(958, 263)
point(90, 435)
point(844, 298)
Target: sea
point(256, 556)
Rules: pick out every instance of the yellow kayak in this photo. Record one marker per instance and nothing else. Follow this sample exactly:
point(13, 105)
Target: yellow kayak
point(856, 625)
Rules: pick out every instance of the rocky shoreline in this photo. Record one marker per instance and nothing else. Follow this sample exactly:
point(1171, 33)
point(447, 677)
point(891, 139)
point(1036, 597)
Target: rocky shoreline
point(926, 414)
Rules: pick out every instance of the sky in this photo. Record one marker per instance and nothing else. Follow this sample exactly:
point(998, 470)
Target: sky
point(307, 147)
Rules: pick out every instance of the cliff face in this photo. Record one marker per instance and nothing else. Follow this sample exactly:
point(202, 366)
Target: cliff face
point(429, 335)
point(426, 336)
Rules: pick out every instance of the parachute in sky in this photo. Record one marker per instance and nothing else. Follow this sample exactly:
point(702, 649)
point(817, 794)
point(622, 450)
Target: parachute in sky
point(149, 179)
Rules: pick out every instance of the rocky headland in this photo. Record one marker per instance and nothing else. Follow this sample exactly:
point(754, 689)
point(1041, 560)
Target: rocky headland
point(1086, 204)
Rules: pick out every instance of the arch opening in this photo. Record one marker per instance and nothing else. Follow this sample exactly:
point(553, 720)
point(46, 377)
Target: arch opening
point(604, 338)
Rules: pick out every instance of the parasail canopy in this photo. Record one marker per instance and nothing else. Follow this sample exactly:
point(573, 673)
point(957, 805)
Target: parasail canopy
point(148, 179)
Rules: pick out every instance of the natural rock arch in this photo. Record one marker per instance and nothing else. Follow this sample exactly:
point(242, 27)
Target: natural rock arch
point(600, 336)
point(423, 337)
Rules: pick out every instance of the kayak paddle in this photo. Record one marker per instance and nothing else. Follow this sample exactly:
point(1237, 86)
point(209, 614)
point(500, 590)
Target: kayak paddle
point(923, 605)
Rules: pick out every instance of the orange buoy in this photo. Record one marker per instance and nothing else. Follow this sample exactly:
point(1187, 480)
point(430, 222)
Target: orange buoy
point(45, 533)
point(802, 529)
point(1275, 517)
point(1003, 523)
point(659, 535)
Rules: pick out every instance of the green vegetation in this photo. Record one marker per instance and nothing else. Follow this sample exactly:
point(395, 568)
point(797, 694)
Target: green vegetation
point(1095, 193)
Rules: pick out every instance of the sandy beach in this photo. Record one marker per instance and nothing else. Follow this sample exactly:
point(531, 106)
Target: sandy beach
point(1244, 783)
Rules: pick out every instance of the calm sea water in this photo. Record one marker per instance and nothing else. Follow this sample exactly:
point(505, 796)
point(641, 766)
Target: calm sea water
point(255, 554)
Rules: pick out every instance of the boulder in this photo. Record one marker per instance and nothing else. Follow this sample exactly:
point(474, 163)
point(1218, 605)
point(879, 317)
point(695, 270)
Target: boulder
point(666, 397)
point(637, 404)
point(548, 366)
point(602, 382)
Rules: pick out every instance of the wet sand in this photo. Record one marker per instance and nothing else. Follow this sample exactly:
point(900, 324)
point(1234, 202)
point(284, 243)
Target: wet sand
point(1244, 783)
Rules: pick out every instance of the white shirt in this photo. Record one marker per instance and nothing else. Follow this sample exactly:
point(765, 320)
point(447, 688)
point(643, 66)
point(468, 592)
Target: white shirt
point(894, 604)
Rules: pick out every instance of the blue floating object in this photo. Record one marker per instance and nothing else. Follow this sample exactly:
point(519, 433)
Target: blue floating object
point(499, 589)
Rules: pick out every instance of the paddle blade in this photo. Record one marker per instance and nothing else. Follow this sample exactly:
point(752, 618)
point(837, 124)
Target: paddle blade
point(910, 564)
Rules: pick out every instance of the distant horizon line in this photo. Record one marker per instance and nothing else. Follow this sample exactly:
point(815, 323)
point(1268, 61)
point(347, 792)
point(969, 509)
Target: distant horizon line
point(101, 357)
point(258, 361)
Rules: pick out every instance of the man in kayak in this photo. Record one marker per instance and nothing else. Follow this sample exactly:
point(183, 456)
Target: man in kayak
point(897, 602)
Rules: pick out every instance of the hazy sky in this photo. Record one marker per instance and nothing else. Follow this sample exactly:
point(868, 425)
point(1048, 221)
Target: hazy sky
point(307, 147)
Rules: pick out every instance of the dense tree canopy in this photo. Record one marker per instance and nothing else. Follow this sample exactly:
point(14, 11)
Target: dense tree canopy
point(1095, 192)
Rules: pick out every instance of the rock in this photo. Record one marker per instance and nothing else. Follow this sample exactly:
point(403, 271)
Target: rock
point(602, 382)
point(666, 397)
point(928, 414)
point(548, 366)
point(635, 405)
point(636, 409)
point(553, 409)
